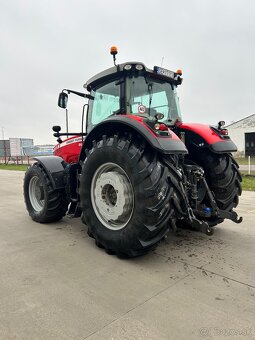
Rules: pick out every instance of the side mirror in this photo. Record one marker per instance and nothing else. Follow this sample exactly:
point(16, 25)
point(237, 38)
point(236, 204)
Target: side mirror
point(62, 100)
point(56, 128)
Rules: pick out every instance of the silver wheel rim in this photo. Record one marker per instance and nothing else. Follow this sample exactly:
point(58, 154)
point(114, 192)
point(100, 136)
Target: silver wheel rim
point(112, 196)
point(36, 193)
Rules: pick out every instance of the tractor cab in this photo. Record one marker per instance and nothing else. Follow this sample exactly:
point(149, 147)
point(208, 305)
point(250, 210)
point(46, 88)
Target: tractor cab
point(129, 89)
point(133, 89)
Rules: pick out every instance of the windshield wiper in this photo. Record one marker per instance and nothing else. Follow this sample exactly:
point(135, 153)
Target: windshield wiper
point(150, 96)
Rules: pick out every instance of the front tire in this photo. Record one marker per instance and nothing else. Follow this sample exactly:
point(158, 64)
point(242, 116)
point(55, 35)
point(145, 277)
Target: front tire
point(43, 203)
point(125, 196)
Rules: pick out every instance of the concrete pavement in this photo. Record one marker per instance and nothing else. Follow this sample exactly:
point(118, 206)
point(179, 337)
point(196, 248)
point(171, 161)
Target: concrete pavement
point(56, 284)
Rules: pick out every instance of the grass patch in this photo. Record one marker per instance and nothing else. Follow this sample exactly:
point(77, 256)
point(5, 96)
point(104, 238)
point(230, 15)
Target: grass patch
point(248, 183)
point(19, 167)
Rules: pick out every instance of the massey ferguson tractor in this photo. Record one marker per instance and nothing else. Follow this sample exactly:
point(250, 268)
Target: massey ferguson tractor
point(136, 169)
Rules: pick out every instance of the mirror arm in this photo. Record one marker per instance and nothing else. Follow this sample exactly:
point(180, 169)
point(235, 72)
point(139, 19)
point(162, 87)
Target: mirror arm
point(57, 134)
point(84, 95)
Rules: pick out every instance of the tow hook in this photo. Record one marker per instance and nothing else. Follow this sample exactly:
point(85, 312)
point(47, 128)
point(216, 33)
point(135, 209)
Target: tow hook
point(206, 229)
point(202, 226)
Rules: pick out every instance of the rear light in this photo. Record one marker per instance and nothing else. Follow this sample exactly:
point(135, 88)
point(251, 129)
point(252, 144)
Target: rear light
point(224, 132)
point(159, 116)
point(161, 127)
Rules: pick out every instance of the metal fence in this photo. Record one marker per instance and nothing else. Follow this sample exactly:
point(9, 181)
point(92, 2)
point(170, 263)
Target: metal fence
point(17, 160)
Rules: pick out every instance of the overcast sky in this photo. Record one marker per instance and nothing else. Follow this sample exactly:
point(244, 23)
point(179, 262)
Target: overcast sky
point(50, 45)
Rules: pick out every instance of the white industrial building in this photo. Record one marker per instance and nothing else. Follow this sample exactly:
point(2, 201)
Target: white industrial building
point(242, 133)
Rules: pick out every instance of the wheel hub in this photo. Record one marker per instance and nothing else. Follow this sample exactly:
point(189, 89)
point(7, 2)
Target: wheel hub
point(36, 193)
point(112, 196)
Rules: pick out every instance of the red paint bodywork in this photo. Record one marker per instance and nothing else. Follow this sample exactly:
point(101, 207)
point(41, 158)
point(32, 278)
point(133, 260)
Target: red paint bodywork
point(140, 120)
point(69, 150)
point(209, 135)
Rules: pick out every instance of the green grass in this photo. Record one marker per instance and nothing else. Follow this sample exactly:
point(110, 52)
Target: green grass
point(248, 183)
point(20, 167)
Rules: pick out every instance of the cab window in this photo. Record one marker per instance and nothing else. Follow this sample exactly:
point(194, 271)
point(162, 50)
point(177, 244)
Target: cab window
point(147, 97)
point(105, 103)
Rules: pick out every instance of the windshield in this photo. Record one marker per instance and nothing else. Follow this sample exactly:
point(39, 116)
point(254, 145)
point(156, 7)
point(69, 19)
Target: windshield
point(147, 97)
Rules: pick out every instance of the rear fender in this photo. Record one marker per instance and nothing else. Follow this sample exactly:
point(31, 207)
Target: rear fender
point(136, 126)
point(54, 166)
point(203, 135)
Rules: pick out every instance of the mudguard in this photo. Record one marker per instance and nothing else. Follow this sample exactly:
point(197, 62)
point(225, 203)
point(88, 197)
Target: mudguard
point(134, 124)
point(55, 169)
point(215, 142)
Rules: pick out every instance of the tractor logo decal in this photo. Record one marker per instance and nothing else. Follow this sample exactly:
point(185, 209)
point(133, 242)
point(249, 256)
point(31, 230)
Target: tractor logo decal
point(70, 141)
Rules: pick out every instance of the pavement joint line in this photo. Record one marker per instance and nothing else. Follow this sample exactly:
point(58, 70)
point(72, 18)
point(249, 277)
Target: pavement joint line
point(141, 304)
point(209, 271)
point(229, 278)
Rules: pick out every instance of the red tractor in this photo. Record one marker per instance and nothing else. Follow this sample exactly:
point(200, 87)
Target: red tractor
point(135, 170)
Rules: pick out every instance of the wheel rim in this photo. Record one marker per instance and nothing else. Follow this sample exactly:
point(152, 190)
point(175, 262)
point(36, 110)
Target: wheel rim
point(112, 196)
point(36, 193)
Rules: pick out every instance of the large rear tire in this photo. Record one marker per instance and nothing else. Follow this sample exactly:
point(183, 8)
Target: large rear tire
point(125, 196)
point(43, 203)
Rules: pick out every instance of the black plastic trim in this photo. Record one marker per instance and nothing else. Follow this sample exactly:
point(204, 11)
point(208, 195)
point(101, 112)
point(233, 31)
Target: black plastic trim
point(164, 145)
point(223, 146)
point(55, 169)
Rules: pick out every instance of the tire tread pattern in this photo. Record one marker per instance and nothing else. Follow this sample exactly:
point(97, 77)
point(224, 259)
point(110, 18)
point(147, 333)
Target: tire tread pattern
point(151, 180)
point(56, 202)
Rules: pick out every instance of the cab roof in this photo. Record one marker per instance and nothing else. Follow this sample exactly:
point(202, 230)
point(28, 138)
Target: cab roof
point(118, 70)
point(108, 73)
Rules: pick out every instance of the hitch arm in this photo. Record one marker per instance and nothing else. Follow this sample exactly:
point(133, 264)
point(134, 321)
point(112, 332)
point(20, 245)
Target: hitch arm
point(210, 196)
point(230, 215)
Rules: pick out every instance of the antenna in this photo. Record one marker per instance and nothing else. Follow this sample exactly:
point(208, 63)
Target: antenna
point(114, 51)
point(162, 60)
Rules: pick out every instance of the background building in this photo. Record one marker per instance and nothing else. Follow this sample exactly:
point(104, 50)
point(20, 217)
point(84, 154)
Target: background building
point(19, 145)
point(242, 133)
point(43, 150)
point(13, 149)
point(5, 148)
